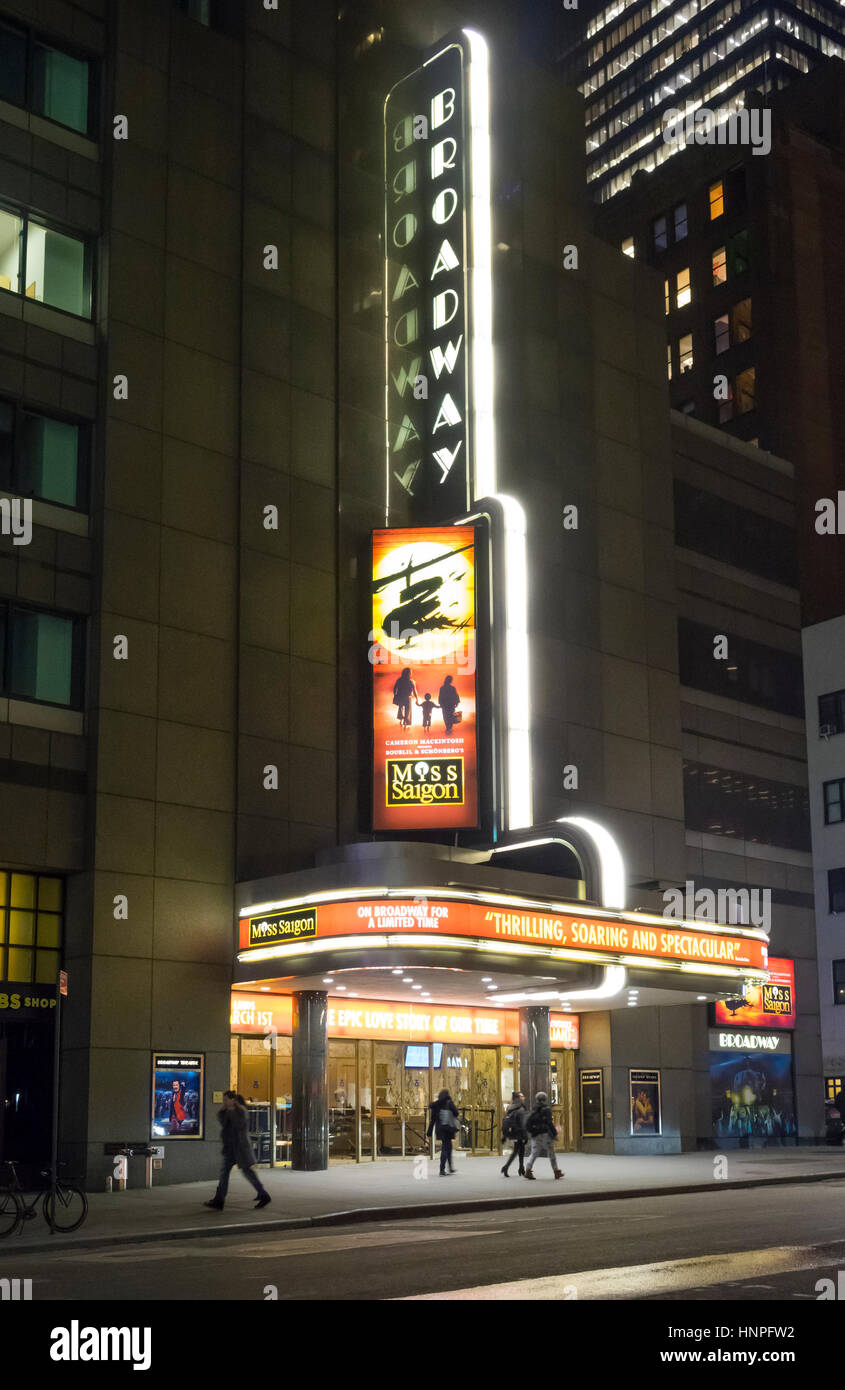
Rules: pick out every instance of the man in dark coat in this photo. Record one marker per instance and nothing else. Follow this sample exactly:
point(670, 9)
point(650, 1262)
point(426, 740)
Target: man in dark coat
point(236, 1150)
point(444, 1124)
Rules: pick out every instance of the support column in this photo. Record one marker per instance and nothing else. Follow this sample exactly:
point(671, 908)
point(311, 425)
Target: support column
point(309, 1067)
point(534, 1055)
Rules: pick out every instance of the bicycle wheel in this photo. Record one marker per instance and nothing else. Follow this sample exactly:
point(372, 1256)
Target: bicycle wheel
point(11, 1213)
point(71, 1207)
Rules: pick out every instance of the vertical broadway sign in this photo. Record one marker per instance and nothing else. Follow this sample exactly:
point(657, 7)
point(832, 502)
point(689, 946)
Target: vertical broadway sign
point(437, 298)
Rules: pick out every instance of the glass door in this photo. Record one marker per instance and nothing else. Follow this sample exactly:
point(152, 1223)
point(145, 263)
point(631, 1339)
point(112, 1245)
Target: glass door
point(388, 1060)
point(454, 1074)
point(485, 1099)
point(341, 1091)
point(415, 1077)
point(562, 1098)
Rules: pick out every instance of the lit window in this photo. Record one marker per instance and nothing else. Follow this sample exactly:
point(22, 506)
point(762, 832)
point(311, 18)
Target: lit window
point(628, 247)
point(680, 221)
point(741, 321)
point(44, 264)
point(720, 266)
point(30, 928)
point(717, 200)
point(669, 360)
point(722, 333)
point(50, 458)
point(685, 353)
point(839, 982)
point(659, 233)
point(745, 392)
point(683, 292)
point(667, 296)
point(11, 234)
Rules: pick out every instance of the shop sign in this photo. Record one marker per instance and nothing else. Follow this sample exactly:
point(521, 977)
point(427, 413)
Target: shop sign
point(429, 331)
point(371, 1018)
point(576, 933)
point(274, 927)
point(422, 653)
point(769, 1005)
point(646, 1117)
point(26, 1001)
point(177, 1095)
point(745, 1040)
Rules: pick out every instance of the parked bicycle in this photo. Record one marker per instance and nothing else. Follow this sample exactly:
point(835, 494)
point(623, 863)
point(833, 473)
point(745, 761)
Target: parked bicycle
point(64, 1213)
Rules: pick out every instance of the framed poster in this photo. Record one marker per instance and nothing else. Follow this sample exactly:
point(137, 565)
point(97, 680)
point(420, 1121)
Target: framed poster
point(177, 1095)
point(646, 1118)
point(592, 1103)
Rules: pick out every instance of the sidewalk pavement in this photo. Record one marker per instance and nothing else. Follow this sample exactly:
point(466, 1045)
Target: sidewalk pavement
point(403, 1189)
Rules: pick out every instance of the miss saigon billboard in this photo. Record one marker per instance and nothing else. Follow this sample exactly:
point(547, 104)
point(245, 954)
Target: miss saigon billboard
point(422, 652)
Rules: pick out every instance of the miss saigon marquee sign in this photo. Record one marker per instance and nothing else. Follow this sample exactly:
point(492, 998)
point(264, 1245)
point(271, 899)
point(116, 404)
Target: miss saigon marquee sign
point(519, 927)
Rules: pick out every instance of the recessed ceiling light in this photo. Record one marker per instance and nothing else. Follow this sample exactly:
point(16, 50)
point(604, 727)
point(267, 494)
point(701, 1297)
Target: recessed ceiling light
point(701, 996)
point(396, 972)
point(416, 986)
point(327, 980)
point(352, 994)
point(343, 987)
point(485, 979)
point(492, 986)
point(407, 979)
point(265, 989)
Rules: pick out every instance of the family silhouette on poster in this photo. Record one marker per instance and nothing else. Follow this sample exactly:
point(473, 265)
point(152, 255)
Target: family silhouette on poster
point(405, 692)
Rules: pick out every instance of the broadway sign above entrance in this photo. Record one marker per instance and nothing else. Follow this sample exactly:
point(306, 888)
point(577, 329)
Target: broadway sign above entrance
point(517, 926)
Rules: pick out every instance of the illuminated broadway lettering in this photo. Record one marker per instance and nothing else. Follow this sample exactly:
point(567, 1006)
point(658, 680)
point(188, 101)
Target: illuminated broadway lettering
point(425, 291)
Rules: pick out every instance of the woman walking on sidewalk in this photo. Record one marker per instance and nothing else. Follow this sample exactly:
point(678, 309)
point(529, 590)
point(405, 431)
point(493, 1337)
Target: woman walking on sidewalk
point(236, 1150)
point(513, 1129)
point(543, 1131)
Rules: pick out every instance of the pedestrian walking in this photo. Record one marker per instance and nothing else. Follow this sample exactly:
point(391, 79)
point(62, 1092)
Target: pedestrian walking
point(543, 1132)
point(444, 1123)
point(236, 1150)
point(513, 1130)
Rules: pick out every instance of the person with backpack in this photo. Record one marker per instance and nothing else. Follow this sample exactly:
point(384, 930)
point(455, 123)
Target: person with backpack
point(444, 1123)
point(543, 1132)
point(513, 1130)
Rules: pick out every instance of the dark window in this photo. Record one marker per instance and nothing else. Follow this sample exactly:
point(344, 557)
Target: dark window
point(47, 80)
point(713, 526)
point(12, 65)
point(680, 219)
point(43, 456)
point(832, 713)
point(659, 233)
point(213, 14)
point(834, 797)
point(836, 890)
point(737, 254)
point(719, 801)
point(51, 266)
point(41, 655)
point(839, 982)
point(757, 674)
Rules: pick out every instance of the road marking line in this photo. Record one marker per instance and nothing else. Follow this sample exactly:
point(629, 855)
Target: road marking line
point(643, 1281)
point(271, 1247)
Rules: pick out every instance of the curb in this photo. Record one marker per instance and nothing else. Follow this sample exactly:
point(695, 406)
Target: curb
point(366, 1215)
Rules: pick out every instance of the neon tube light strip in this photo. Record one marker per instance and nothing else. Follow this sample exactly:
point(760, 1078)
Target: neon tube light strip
point(483, 477)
